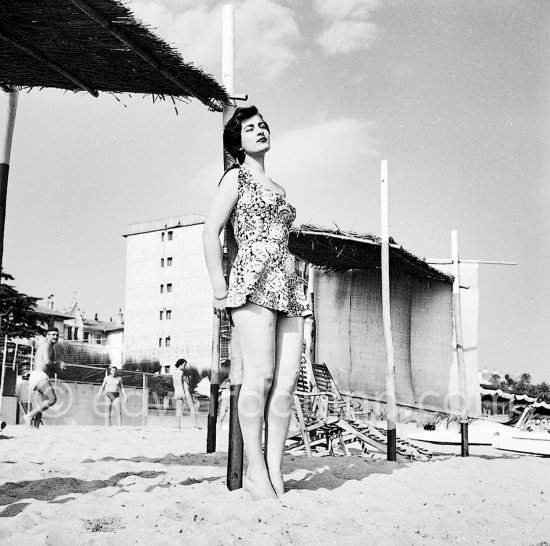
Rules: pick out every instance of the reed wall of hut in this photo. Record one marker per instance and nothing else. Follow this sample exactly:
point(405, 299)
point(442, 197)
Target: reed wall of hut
point(349, 338)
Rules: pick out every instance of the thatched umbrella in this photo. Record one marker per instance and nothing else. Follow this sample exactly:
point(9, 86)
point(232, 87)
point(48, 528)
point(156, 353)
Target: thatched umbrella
point(89, 45)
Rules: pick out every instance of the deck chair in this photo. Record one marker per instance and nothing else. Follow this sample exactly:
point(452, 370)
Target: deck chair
point(312, 428)
point(322, 410)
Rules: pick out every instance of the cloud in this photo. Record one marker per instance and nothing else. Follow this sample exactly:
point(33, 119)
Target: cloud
point(346, 9)
point(326, 168)
point(348, 27)
point(348, 36)
point(323, 167)
point(266, 33)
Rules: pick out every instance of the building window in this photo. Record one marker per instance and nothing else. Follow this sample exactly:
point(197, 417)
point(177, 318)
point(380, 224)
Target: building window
point(160, 342)
point(162, 288)
point(169, 287)
point(168, 314)
point(167, 342)
point(162, 262)
point(160, 316)
point(170, 235)
point(162, 236)
point(168, 262)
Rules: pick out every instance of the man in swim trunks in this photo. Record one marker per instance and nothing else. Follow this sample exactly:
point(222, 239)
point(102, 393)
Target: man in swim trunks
point(39, 378)
point(112, 384)
point(183, 392)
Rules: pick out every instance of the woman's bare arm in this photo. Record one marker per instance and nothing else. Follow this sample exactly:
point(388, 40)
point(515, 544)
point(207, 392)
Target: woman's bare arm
point(223, 203)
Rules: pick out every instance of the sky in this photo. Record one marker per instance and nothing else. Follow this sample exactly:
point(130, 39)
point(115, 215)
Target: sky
point(453, 94)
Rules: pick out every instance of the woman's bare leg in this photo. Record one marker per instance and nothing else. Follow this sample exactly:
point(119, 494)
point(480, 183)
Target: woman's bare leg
point(289, 339)
point(256, 331)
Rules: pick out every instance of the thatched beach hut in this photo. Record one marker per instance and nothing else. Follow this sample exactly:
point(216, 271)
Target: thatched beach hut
point(345, 282)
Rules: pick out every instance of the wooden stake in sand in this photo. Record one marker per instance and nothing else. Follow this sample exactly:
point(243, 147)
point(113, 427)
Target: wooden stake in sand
point(2, 423)
point(464, 448)
point(228, 47)
point(235, 447)
point(386, 319)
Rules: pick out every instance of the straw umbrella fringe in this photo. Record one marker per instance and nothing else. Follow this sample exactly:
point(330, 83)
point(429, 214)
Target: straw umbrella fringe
point(94, 45)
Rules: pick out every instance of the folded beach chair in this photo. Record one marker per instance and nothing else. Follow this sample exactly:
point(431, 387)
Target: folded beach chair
point(327, 421)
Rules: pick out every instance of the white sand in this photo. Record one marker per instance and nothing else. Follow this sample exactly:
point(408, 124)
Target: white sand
point(144, 485)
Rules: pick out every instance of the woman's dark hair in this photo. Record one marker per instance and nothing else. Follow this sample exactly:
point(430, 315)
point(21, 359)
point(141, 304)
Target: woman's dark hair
point(232, 132)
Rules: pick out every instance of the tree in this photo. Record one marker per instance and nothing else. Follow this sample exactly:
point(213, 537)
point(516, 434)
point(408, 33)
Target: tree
point(543, 392)
point(511, 383)
point(19, 315)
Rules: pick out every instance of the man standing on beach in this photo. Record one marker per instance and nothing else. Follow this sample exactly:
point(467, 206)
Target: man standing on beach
point(39, 379)
point(183, 392)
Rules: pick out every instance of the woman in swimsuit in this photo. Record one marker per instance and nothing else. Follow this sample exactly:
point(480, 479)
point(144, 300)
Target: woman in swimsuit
point(112, 384)
point(264, 298)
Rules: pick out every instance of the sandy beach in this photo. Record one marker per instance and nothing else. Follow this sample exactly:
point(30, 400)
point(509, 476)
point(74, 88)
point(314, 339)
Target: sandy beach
point(71, 485)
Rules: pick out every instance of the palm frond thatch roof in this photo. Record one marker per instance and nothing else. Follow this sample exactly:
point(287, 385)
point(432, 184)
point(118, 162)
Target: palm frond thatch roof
point(94, 45)
point(338, 250)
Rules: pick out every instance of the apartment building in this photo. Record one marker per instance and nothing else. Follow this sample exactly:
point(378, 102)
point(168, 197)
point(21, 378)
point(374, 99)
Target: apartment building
point(168, 311)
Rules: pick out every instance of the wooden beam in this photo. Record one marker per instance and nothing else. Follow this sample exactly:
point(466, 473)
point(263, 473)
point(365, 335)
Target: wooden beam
point(38, 55)
point(446, 261)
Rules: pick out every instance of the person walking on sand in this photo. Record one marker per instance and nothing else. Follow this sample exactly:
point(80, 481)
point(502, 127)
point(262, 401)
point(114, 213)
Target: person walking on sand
point(264, 298)
point(39, 379)
point(182, 392)
point(114, 391)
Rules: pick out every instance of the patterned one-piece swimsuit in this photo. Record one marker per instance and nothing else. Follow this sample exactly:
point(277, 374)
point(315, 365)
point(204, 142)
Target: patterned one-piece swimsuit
point(264, 269)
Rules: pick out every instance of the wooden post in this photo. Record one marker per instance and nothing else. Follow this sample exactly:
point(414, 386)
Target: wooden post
point(386, 319)
point(214, 387)
point(7, 139)
point(2, 375)
point(31, 368)
point(464, 448)
point(235, 448)
point(227, 80)
point(311, 298)
point(144, 400)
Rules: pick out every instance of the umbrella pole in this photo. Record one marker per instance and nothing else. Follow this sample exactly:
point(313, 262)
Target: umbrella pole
point(7, 138)
point(464, 447)
point(235, 447)
point(391, 419)
point(228, 46)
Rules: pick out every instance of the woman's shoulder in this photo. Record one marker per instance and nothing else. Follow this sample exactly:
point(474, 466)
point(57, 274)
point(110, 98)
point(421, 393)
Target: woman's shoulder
point(280, 188)
point(231, 175)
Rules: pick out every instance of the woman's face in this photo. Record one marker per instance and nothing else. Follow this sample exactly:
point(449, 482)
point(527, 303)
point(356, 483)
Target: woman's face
point(254, 135)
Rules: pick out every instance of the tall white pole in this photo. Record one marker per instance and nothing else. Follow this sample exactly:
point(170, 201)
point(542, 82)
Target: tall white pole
point(386, 318)
point(459, 345)
point(235, 447)
point(228, 48)
point(5, 150)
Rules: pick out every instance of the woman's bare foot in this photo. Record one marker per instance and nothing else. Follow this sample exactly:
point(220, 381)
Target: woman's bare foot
point(259, 489)
point(277, 483)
